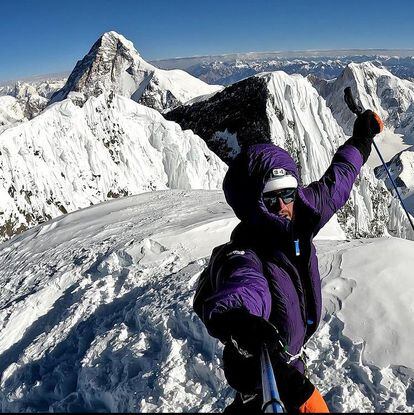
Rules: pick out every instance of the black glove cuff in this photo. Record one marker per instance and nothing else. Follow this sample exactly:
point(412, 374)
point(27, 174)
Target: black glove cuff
point(363, 144)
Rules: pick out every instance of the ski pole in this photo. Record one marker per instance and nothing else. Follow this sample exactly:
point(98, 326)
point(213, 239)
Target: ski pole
point(271, 399)
point(357, 109)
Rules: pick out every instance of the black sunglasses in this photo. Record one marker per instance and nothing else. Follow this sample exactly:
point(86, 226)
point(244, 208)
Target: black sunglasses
point(271, 199)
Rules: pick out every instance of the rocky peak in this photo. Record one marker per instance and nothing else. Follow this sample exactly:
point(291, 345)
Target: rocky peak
point(114, 65)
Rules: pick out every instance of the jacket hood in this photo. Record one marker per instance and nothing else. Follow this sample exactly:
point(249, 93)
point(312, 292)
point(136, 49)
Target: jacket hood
point(245, 180)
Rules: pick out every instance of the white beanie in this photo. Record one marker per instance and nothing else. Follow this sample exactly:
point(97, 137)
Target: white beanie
point(279, 179)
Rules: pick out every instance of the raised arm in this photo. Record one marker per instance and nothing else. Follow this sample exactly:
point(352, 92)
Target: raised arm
point(331, 192)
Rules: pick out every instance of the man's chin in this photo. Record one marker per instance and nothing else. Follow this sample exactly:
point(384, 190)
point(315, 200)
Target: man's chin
point(286, 216)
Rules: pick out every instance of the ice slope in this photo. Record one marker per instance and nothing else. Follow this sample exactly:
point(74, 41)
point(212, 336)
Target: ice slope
point(69, 157)
point(95, 313)
point(113, 64)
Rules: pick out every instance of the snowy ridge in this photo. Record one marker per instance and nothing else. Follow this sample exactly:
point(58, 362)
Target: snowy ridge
point(393, 99)
point(69, 157)
point(114, 65)
point(95, 313)
point(301, 123)
point(228, 69)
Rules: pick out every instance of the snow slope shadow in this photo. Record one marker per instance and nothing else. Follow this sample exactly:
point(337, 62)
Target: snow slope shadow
point(54, 376)
point(50, 319)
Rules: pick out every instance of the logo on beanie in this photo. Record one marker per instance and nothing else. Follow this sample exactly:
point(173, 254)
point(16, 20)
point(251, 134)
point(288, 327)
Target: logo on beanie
point(278, 179)
point(278, 172)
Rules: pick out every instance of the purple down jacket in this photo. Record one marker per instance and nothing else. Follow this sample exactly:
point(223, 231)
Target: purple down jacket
point(258, 269)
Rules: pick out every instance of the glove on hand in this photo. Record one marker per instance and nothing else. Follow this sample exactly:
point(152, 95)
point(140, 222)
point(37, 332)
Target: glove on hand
point(249, 331)
point(366, 126)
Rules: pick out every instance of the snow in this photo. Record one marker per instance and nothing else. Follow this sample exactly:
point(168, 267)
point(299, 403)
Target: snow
point(95, 312)
point(301, 123)
point(114, 65)
point(290, 112)
point(375, 88)
point(95, 306)
point(389, 144)
point(119, 147)
point(401, 168)
point(385, 330)
point(11, 112)
point(21, 100)
point(331, 231)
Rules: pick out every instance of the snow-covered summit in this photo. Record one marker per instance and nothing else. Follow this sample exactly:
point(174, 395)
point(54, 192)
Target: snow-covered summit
point(69, 157)
point(11, 112)
point(376, 88)
point(114, 65)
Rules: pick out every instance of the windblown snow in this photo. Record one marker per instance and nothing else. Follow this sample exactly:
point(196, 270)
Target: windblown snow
point(95, 313)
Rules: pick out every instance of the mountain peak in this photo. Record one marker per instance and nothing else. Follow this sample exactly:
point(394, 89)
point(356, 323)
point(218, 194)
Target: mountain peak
point(114, 65)
point(115, 41)
point(366, 69)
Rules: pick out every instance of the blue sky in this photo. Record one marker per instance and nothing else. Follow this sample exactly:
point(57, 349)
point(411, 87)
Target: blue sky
point(39, 37)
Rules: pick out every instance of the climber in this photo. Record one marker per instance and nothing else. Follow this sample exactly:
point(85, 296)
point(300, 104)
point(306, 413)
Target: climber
point(264, 285)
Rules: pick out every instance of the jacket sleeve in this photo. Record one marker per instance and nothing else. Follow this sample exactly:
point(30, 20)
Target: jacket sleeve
point(238, 282)
point(331, 192)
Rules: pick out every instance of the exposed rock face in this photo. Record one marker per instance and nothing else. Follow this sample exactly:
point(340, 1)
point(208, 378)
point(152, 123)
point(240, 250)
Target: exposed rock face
point(218, 118)
point(114, 65)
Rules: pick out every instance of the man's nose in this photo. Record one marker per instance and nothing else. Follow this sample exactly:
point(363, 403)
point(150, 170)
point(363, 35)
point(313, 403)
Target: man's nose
point(282, 204)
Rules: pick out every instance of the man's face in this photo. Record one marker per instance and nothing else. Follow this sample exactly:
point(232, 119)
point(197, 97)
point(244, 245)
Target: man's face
point(281, 202)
